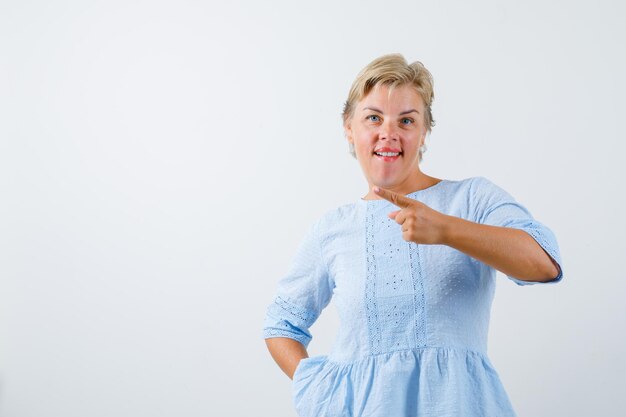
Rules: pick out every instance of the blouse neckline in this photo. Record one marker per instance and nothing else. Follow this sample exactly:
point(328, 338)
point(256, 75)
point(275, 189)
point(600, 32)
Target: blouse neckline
point(362, 201)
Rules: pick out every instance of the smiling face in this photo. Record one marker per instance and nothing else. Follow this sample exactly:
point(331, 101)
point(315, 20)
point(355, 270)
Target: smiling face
point(387, 129)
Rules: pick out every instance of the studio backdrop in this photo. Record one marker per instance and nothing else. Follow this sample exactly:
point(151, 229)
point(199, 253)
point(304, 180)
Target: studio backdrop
point(160, 162)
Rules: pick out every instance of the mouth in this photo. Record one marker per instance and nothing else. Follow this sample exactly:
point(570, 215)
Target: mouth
point(387, 156)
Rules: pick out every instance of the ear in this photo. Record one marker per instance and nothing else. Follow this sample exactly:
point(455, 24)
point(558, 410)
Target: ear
point(347, 130)
point(423, 141)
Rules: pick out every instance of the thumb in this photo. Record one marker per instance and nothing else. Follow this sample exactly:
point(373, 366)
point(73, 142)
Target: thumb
point(393, 214)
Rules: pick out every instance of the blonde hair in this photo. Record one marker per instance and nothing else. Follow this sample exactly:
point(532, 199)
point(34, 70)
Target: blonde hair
point(392, 71)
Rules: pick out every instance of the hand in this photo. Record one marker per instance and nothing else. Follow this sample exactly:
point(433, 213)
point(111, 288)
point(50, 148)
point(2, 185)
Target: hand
point(419, 223)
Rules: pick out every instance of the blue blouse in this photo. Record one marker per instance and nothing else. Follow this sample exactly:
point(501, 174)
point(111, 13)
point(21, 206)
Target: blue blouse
point(414, 318)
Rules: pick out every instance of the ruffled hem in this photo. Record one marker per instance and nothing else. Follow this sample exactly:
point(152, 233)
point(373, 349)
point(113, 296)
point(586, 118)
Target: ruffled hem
point(410, 383)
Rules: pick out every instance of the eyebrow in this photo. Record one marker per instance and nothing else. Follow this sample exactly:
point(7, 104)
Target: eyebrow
point(378, 111)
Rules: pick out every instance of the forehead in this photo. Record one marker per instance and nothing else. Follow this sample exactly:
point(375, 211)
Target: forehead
point(402, 97)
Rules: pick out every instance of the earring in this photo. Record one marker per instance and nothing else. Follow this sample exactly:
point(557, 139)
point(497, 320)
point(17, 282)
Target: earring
point(423, 148)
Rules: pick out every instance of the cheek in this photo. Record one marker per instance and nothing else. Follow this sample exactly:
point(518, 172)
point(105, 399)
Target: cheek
point(364, 139)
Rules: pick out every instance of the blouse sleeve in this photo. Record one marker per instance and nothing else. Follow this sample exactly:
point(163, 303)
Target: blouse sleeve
point(496, 207)
point(302, 293)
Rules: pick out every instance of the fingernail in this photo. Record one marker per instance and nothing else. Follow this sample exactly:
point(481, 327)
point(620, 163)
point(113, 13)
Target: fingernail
point(376, 189)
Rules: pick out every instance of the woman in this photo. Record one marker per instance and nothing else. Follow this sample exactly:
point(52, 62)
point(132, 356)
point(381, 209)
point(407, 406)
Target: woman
point(410, 267)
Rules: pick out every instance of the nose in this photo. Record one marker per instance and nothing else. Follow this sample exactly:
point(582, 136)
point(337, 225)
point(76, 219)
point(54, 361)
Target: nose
point(388, 130)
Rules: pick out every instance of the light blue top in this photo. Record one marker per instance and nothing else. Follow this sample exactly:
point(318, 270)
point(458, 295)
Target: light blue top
point(413, 318)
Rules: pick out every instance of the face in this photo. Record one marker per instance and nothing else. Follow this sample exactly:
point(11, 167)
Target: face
point(393, 122)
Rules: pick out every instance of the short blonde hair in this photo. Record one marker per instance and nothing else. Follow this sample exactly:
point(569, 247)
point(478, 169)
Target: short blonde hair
point(392, 71)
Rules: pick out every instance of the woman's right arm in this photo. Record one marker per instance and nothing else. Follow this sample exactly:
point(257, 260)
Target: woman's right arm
point(300, 297)
point(287, 353)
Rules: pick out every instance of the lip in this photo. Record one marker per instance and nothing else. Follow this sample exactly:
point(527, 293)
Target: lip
point(387, 149)
point(387, 158)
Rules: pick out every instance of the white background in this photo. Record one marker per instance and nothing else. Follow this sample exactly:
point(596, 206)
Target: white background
point(161, 160)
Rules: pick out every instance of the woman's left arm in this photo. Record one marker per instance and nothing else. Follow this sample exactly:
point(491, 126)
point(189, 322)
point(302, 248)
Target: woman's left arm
point(511, 251)
point(508, 249)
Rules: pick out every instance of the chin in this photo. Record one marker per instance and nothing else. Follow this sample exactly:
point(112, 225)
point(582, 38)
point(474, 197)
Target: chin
point(385, 183)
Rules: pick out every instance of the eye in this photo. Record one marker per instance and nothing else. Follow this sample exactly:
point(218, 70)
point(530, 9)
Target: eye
point(406, 121)
point(373, 118)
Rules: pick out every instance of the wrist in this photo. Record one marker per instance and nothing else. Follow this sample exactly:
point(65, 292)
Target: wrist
point(449, 224)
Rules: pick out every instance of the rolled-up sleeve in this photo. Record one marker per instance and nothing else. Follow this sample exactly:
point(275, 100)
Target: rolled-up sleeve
point(494, 206)
point(302, 293)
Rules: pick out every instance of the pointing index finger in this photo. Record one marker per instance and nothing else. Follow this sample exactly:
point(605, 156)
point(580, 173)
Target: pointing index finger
point(393, 197)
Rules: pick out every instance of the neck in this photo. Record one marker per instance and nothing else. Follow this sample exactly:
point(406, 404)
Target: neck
point(414, 183)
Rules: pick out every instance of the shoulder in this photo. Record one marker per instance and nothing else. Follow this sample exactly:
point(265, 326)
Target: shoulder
point(466, 188)
point(471, 196)
point(479, 187)
point(335, 220)
point(479, 183)
point(484, 188)
point(339, 214)
point(468, 183)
